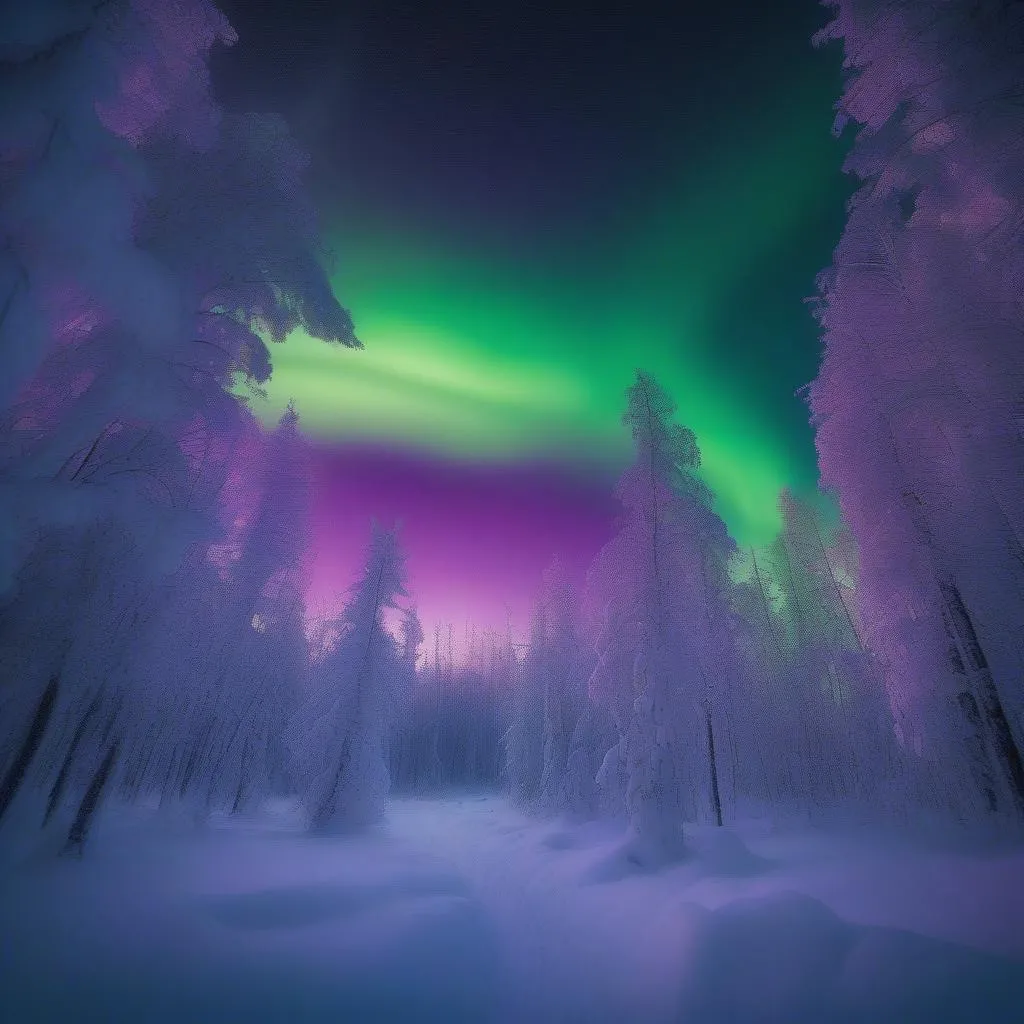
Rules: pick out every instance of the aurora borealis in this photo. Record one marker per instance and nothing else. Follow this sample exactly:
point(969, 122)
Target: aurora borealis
point(511, 258)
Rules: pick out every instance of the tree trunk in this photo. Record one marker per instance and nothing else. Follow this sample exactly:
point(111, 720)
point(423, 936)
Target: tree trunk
point(193, 759)
point(15, 775)
point(327, 808)
point(976, 748)
point(716, 799)
point(1004, 745)
point(236, 804)
point(60, 783)
point(172, 767)
point(90, 802)
point(149, 747)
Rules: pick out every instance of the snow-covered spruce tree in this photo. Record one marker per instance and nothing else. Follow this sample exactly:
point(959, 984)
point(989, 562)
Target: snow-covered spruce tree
point(667, 650)
point(127, 418)
point(342, 728)
point(917, 403)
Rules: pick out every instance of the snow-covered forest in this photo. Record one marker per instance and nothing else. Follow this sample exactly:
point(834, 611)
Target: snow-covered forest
point(693, 721)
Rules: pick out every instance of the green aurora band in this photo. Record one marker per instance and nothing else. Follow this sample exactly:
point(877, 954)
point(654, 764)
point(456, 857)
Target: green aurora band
point(476, 356)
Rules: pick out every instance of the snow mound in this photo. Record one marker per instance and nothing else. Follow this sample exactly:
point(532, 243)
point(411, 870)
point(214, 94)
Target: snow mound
point(711, 852)
point(788, 959)
point(721, 852)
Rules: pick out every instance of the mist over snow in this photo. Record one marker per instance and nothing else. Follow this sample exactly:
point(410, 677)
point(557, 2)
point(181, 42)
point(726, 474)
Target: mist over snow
point(672, 769)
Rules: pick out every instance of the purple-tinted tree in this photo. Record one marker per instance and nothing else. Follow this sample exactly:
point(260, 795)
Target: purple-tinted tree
point(150, 245)
point(666, 650)
point(341, 731)
point(917, 403)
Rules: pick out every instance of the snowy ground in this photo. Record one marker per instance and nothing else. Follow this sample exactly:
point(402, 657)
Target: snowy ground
point(465, 910)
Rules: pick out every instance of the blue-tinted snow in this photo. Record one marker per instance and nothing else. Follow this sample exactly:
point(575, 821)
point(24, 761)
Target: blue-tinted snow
point(467, 911)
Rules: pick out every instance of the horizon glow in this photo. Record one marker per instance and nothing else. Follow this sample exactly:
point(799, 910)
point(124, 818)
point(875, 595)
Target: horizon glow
point(477, 536)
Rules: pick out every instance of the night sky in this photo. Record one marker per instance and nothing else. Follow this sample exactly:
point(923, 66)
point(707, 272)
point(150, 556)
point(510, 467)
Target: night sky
point(526, 203)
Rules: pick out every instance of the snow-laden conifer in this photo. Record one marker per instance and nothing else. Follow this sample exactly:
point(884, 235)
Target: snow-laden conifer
point(341, 731)
point(666, 648)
